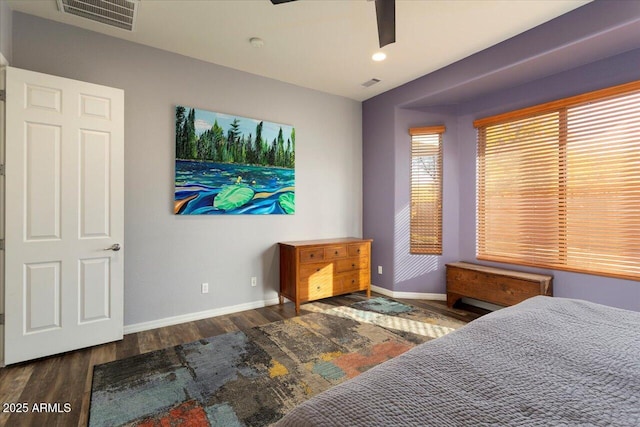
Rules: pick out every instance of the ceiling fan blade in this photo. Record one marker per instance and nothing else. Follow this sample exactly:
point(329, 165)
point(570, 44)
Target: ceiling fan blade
point(386, 14)
point(281, 1)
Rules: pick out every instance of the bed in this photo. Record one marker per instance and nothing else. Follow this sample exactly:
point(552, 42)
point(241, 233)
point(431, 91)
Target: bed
point(545, 361)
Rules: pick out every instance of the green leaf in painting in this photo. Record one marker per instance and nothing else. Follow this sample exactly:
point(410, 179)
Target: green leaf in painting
point(288, 202)
point(232, 197)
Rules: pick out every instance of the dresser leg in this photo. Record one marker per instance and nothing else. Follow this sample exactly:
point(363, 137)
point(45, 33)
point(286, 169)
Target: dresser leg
point(368, 291)
point(297, 308)
point(281, 299)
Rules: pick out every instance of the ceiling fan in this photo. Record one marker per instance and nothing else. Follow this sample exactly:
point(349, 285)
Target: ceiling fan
point(386, 16)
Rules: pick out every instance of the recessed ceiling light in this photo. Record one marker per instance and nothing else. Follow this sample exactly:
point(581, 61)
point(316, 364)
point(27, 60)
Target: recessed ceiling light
point(379, 56)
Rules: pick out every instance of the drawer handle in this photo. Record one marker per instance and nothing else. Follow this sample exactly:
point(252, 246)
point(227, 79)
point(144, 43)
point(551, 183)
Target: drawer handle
point(353, 265)
point(358, 251)
point(317, 288)
point(311, 256)
point(335, 253)
point(317, 269)
point(353, 280)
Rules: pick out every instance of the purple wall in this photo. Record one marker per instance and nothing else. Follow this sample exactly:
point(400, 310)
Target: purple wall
point(423, 273)
point(587, 49)
point(378, 181)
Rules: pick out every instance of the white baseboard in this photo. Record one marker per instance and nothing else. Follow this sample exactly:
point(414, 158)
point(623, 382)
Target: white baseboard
point(183, 318)
point(409, 295)
point(3, 60)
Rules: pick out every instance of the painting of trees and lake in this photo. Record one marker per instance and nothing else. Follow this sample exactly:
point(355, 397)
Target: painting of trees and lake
point(233, 165)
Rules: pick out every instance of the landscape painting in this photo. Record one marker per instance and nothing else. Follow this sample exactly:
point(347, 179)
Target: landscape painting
point(228, 164)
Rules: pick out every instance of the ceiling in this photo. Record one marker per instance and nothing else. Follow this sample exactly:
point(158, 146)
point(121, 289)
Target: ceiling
point(324, 45)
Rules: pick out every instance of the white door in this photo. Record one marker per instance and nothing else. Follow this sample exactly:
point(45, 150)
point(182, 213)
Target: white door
point(64, 208)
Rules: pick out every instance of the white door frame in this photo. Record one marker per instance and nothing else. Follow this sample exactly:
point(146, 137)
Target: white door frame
point(3, 63)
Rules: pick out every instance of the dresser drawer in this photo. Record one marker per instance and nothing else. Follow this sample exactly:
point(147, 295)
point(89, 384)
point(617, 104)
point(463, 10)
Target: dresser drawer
point(359, 249)
point(333, 252)
point(317, 269)
point(317, 287)
point(355, 281)
point(311, 255)
point(351, 264)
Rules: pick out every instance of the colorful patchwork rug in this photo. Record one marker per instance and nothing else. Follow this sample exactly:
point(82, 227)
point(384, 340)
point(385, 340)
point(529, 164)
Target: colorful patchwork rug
point(254, 377)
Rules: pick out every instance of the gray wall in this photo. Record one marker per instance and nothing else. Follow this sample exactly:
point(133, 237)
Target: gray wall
point(168, 256)
point(5, 31)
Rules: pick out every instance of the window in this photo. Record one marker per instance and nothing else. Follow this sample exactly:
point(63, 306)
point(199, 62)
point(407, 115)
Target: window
point(559, 184)
point(426, 190)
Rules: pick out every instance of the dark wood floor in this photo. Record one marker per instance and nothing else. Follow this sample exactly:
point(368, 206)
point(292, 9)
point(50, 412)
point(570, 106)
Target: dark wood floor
point(67, 378)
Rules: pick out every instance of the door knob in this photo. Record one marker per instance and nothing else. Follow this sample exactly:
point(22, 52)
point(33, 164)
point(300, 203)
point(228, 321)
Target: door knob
point(115, 247)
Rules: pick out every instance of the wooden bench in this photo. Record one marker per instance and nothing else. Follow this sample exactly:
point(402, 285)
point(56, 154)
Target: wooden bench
point(494, 285)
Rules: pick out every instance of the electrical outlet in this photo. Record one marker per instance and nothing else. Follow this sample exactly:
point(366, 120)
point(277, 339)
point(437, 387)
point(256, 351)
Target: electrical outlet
point(379, 269)
point(254, 281)
point(204, 288)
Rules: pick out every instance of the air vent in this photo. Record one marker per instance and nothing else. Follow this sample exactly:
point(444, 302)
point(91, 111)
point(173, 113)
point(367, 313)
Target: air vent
point(371, 82)
point(116, 13)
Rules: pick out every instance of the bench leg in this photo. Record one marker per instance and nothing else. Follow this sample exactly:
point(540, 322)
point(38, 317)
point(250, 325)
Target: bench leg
point(452, 298)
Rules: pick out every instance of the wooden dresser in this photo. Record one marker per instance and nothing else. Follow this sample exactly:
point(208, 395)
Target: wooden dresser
point(494, 285)
point(316, 269)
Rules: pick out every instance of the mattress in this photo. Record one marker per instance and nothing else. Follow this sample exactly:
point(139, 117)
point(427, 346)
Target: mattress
point(545, 361)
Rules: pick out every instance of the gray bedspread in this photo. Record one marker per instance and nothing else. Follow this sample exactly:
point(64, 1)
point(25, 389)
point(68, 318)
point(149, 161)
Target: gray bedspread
point(546, 361)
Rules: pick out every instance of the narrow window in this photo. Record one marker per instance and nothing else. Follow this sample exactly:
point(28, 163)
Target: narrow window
point(426, 190)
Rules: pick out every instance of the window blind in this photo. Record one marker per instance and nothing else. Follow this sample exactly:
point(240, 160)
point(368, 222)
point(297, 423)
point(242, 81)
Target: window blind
point(426, 190)
point(559, 184)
